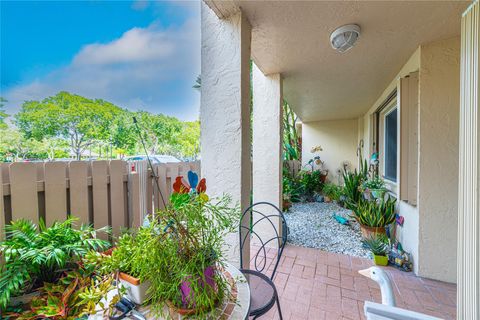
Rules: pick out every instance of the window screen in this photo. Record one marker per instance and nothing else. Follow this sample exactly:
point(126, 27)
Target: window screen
point(390, 170)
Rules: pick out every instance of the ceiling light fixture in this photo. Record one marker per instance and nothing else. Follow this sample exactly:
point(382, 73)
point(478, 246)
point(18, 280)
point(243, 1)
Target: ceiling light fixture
point(344, 37)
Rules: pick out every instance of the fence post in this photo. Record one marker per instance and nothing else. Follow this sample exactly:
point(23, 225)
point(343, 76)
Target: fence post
point(100, 195)
point(55, 192)
point(134, 200)
point(78, 178)
point(23, 191)
point(118, 169)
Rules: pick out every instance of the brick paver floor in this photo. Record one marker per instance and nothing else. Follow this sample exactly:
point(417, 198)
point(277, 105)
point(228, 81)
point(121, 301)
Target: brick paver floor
point(314, 284)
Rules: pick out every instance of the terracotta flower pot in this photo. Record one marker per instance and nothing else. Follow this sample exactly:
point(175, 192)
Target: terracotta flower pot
point(368, 232)
point(323, 177)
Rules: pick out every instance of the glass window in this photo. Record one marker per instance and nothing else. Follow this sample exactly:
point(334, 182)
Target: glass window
point(390, 150)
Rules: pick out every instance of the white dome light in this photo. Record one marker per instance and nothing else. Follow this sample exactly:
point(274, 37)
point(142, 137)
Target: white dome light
point(344, 38)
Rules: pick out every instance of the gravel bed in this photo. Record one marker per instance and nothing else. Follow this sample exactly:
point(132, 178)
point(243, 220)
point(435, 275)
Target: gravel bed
point(312, 225)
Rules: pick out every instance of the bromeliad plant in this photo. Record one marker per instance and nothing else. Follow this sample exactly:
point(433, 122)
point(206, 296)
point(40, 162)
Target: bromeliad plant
point(35, 255)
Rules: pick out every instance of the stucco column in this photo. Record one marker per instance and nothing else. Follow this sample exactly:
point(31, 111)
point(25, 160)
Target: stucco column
point(225, 111)
point(468, 271)
point(267, 148)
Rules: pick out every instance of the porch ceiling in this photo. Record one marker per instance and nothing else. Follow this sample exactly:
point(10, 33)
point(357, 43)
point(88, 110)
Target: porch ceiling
point(292, 37)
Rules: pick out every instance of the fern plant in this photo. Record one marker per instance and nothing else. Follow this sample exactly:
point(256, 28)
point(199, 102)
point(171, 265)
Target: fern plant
point(36, 254)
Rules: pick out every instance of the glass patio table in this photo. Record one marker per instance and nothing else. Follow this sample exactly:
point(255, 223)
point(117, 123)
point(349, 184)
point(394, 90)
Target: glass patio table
point(236, 308)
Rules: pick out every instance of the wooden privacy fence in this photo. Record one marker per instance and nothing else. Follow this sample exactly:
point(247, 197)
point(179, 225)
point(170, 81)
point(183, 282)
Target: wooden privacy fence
point(294, 167)
point(102, 193)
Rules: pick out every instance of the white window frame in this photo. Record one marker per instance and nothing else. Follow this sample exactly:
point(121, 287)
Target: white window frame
point(391, 186)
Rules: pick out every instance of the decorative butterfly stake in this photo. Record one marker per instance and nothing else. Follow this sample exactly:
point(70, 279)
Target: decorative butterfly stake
point(180, 186)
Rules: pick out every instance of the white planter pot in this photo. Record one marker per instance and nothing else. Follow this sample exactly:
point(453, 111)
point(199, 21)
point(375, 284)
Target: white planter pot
point(135, 292)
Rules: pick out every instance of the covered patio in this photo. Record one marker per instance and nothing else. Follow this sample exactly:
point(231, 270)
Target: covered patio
point(399, 88)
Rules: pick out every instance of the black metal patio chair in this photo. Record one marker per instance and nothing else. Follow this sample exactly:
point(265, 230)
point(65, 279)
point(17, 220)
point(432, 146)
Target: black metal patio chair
point(263, 293)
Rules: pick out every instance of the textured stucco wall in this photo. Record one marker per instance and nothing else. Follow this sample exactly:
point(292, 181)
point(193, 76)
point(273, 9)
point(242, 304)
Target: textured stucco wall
point(225, 109)
point(267, 148)
point(338, 139)
point(430, 229)
point(408, 234)
point(439, 109)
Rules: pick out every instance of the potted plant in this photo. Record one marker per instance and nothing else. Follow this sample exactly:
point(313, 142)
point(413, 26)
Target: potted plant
point(331, 192)
point(37, 258)
point(190, 258)
point(378, 245)
point(128, 259)
point(374, 215)
point(374, 187)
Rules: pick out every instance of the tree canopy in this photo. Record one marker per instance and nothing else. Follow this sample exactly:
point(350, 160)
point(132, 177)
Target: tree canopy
point(69, 123)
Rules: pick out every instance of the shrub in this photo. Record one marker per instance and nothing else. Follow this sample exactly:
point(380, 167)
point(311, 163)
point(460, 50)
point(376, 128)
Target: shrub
point(292, 188)
point(311, 182)
point(34, 255)
point(332, 191)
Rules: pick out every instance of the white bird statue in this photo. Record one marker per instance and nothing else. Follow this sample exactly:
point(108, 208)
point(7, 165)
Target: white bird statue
point(383, 280)
point(387, 310)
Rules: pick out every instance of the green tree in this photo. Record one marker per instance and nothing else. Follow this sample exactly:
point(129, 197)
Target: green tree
point(3, 115)
point(15, 146)
point(189, 140)
point(161, 133)
point(79, 120)
point(123, 135)
point(291, 141)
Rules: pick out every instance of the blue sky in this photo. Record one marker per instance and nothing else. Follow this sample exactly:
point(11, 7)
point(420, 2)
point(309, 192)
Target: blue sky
point(136, 54)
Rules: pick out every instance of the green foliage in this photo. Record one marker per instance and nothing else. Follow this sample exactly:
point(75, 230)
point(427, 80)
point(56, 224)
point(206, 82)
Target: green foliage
point(375, 213)
point(291, 141)
point(79, 120)
point(332, 191)
point(311, 181)
point(292, 189)
point(374, 183)
point(196, 230)
point(75, 295)
point(34, 255)
point(377, 244)
point(71, 122)
point(3, 115)
point(177, 245)
point(351, 190)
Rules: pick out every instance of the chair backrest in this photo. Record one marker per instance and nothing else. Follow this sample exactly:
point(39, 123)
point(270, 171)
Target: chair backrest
point(273, 223)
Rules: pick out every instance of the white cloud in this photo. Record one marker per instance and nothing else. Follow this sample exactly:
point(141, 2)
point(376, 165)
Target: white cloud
point(146, 68)
point(135, 45)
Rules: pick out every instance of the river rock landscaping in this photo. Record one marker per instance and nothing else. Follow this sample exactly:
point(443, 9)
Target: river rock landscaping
point(311, 225)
